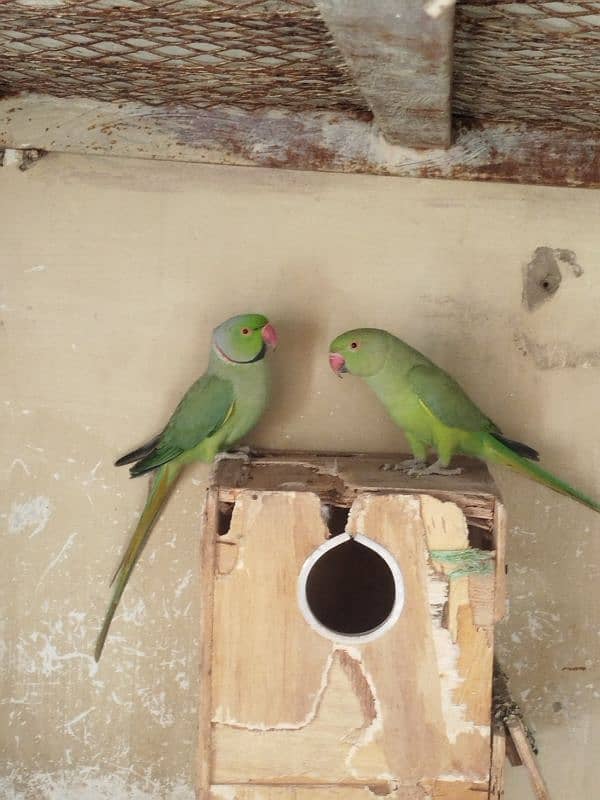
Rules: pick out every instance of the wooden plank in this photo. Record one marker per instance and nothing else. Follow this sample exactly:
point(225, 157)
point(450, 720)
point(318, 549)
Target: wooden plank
point(339, 477)
point(400, 55)
point(254, 609)
point(497, 762)
point(444, 790)
point(482, 597)
point(439, 791)
point(518, 734)
point(293, 708)
point(500, 529)
point(448, 727)
point(321, 141)
point(514, 758)
point(298, 792)
point(264, 468)
point(207, 567)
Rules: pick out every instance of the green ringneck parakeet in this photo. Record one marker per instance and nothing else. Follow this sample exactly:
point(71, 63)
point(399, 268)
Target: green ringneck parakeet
point(216, 411)
point(432, 409)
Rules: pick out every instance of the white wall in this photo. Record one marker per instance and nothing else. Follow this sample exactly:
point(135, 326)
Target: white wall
point(113, 274)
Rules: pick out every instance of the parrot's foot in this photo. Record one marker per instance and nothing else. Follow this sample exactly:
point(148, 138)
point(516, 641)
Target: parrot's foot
point(244, 448)
point(407, 465)
point(437, 468)
point(245, 452)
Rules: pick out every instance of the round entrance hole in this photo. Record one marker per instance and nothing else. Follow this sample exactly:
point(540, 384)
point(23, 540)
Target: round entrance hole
point(351, 589)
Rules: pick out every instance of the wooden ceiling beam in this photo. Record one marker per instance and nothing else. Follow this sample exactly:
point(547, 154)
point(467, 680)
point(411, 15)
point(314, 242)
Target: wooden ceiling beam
point(322, 141)
point(400, 55)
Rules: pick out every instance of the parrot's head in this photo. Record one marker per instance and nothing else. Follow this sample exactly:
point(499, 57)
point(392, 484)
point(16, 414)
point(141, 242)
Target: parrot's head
point(244, 339)
point(361, 352)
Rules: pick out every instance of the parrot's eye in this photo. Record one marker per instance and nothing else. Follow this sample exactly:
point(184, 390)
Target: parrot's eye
point(354, 345)
point(245, 331)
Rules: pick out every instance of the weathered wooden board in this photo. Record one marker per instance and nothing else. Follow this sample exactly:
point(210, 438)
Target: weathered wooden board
point(408, 711)
point(339, 477)
point(441, 790)
point(401, 59)
point(311, 141)
point(269, 534)
point(520, 739)
point(208, 566)
point(498, 762)
point(500, 531)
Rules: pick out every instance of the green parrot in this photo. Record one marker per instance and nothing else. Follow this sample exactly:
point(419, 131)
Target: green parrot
point(432, 409)
point(215, 412)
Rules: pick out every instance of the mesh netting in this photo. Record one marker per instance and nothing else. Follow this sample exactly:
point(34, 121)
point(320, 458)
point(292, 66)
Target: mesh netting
point(536, 61)
point(533, 61)
point(195, 52)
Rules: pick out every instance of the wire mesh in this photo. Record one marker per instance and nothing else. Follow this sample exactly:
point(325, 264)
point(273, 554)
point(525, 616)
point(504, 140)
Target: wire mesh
point(199, 53)
point(536, 61)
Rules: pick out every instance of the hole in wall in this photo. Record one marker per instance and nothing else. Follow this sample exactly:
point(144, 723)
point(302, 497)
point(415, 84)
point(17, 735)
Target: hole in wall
point(224, 518)
point(351, 589)
point(542, 276)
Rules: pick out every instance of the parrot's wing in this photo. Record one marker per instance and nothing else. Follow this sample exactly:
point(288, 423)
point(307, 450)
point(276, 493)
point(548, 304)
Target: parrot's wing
point(206, 405)
point(443, 397)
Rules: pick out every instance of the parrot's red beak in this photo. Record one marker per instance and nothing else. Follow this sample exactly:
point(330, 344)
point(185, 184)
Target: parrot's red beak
point(337, 364)
point(269, 335)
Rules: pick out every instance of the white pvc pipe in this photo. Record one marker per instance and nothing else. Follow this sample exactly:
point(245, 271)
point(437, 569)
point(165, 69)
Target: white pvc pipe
point(342, 638)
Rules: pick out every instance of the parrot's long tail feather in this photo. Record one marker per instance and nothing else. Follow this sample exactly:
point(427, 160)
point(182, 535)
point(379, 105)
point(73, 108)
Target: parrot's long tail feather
point(498, 453)
point(138, 453)
point(517, 447)
point(161, 488)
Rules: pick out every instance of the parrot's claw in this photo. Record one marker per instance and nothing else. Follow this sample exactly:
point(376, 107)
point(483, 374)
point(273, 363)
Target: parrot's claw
point(408, 465)
point(246, 449)
point(245, 452)
point(437, 468)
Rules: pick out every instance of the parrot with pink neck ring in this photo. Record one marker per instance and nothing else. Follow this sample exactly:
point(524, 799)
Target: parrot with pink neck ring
point(221, 407)
point(433, 410)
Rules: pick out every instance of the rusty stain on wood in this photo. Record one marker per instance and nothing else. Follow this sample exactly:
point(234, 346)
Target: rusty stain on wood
point(324, 141)
point(401, 60)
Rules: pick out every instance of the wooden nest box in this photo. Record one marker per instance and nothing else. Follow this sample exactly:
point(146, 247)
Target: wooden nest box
point(348, 630)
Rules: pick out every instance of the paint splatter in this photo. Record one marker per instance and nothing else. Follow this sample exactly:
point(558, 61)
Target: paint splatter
point(34, 514)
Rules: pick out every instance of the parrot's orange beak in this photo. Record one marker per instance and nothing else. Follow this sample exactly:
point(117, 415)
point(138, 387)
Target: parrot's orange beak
point(269, 335)
point(337, 364)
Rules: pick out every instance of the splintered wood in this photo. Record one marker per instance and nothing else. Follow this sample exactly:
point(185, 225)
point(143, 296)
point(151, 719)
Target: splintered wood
point(297, 716)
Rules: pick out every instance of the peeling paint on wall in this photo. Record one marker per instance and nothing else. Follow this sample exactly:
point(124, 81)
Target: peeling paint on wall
point(555, 355)
point(85, 783)
point(32, 515)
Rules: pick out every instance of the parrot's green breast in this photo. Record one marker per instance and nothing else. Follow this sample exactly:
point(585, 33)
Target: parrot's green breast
point(251, 388)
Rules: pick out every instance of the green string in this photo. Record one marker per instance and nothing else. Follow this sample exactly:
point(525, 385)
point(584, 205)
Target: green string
point(467, 562)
